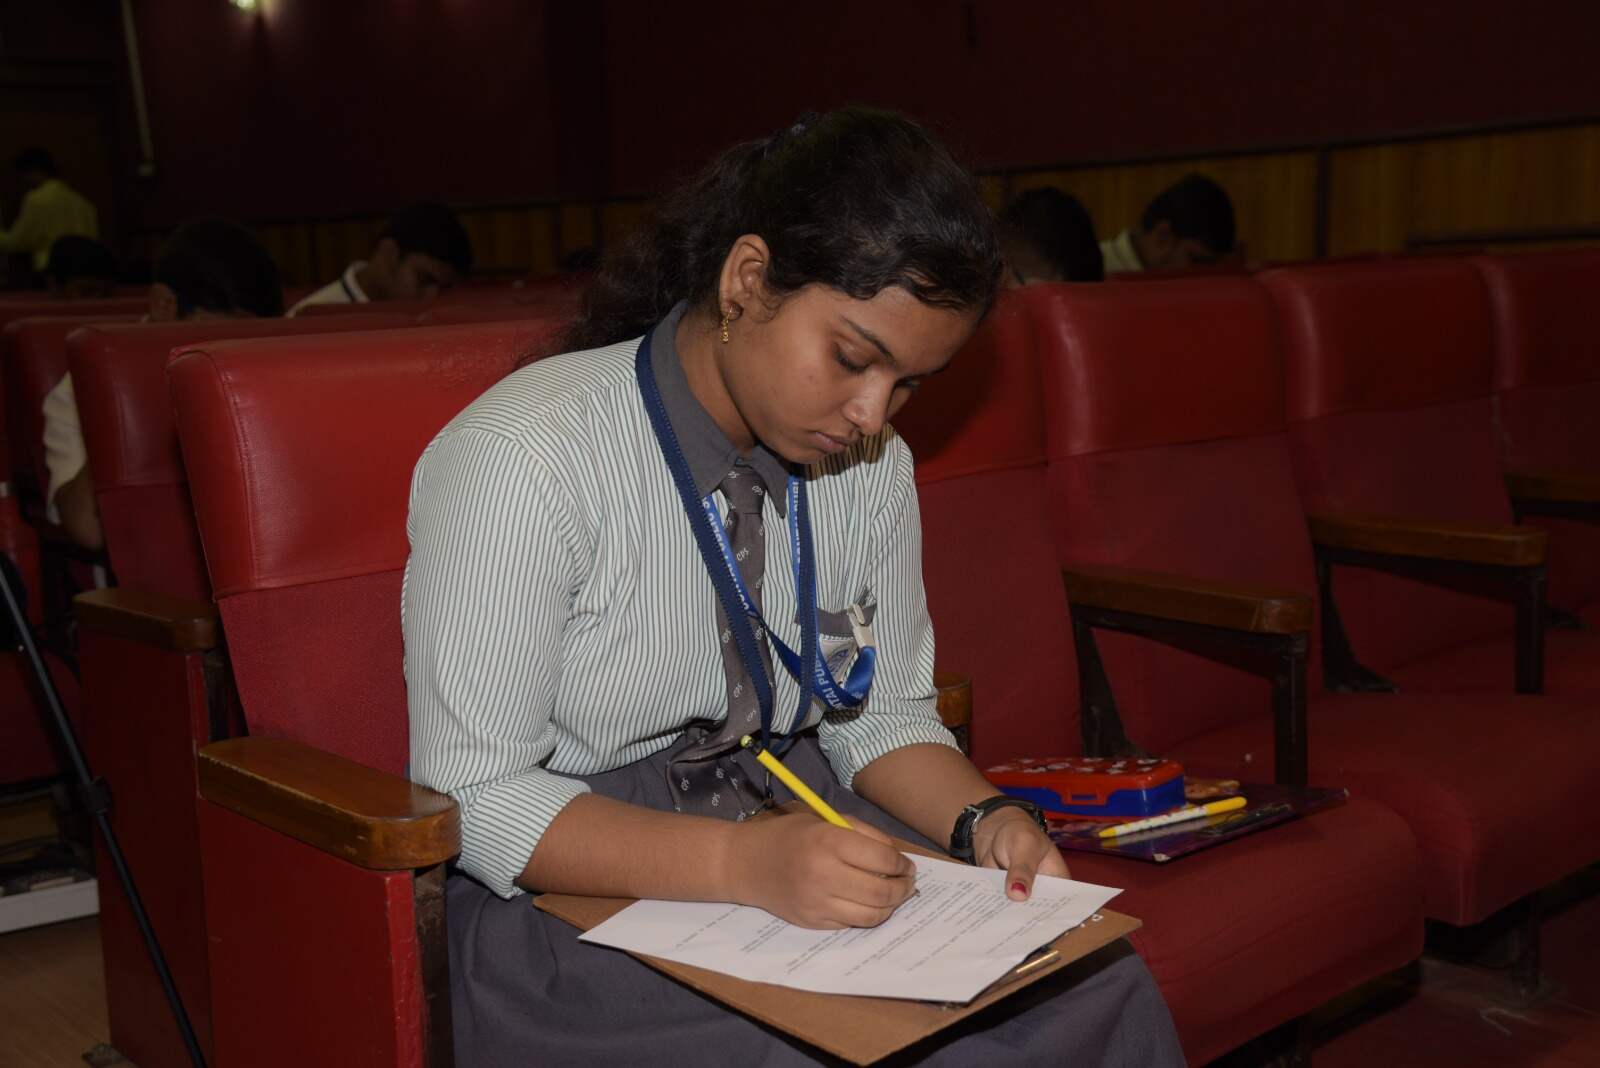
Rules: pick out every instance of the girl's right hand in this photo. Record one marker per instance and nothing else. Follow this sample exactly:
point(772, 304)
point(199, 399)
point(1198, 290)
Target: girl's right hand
point(813, 874)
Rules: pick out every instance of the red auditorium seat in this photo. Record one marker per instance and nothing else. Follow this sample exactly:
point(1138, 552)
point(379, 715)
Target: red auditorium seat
point(558, 313)
point(1169, 453)
point(35, 355)
point(497, 294)
point(1293, 916)
point(150, 656)
point(34, 359)
point(1389, 372)
point(1547, 394)
point(317, 851)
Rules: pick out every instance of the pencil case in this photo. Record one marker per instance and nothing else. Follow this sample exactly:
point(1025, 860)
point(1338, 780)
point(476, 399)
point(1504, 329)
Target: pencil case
point(1093, 787)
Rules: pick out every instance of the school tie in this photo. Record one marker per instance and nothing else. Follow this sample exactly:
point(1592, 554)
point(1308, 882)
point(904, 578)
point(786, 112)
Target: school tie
point(705, 779)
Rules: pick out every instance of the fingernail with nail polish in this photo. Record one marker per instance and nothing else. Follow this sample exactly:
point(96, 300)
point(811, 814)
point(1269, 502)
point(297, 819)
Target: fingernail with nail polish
point(1018, 888)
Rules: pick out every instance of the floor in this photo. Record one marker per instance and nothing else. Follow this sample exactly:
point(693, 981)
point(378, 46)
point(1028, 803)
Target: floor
point(1440, 1013)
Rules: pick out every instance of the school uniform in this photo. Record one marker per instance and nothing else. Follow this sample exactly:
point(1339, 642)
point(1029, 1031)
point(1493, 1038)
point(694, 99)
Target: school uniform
point(563, 636)
point(1120, 254)
point(343, 290)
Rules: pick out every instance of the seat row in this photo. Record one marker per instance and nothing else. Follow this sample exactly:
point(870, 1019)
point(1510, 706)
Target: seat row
point(1275, 502)
point(34, 354)
point(148, 651)
point(1143, 436)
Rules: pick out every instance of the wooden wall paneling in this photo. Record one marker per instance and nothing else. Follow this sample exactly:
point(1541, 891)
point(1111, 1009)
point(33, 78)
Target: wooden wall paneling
point(1369, 198)
point(1530, 180)
point(1274, 195)
point(577, 227)
point(509, 242)
point(620, 219)
point(290, 246)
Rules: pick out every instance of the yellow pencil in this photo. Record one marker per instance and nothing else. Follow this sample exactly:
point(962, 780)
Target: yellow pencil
point(1193, 812)
point(798, 788)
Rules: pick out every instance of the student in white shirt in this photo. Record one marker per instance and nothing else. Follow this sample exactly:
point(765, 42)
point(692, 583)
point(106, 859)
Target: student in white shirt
point(575, 677)
point(208, 269)
point(1189, 224)
point(422, 252)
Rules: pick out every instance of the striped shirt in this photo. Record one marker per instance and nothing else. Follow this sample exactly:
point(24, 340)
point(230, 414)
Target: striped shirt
point(559, 620)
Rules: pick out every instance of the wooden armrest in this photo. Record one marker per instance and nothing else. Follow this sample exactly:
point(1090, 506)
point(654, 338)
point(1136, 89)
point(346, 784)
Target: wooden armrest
point(1554, 486)
point(955, 698)
point(167, 622)
point(1468, 543)
point(365, 816)
point(1187, 599)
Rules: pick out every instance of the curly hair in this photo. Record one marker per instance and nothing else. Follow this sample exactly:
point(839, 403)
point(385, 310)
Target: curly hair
point(858, 200)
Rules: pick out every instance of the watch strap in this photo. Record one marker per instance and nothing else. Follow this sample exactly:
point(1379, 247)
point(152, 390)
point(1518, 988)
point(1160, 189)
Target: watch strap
point(965, 830)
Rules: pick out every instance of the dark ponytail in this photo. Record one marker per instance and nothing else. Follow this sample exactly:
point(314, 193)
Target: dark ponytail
point(858, 200)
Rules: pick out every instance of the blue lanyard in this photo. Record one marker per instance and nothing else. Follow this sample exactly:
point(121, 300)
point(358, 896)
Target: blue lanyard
point(717, 555)
point(835, 694)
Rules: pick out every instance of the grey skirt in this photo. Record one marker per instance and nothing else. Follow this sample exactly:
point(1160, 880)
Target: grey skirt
point(525, 992)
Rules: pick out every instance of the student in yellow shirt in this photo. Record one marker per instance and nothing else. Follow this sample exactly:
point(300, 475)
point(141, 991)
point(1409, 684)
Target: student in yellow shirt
point(51, 209)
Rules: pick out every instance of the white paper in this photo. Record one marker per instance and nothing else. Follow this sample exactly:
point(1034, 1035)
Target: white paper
point(949, 942)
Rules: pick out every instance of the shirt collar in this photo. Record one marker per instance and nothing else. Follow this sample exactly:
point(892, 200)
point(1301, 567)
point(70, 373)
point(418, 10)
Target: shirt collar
point(1128, 252)
point(353, 287)
point(706, 448)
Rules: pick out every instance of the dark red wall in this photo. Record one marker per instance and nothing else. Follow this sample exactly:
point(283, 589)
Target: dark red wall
point(330, 107)
point(1039, 82)
point(325, 107)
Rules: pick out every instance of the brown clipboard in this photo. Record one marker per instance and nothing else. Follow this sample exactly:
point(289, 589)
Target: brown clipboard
point(860, 1030)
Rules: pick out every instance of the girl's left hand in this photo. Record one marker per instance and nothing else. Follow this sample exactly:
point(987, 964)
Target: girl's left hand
point(1009, 838)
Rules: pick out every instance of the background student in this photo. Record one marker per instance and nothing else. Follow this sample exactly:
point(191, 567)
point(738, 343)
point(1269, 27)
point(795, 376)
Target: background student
point(422, 252)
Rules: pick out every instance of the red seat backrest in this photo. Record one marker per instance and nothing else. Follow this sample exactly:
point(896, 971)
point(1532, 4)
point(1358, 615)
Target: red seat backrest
point(299, 452)
point(119, 373)
point(500, 293)
point(35, 354)
point(994, 591)
point(1546, 358)
point(131, 306)
point(1389, 372)
point(1167, 452)
point(556, 314)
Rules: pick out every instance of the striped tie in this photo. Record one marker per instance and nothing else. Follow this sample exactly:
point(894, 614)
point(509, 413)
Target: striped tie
point(705, 780)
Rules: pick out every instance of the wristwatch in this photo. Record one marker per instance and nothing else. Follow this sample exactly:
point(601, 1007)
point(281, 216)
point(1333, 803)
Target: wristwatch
point(967, 822)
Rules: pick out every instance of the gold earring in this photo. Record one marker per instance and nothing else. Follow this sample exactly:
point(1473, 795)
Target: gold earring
point(727, 317)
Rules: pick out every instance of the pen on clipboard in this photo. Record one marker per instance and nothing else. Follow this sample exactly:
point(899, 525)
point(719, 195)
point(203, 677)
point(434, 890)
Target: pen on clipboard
point(796, 787)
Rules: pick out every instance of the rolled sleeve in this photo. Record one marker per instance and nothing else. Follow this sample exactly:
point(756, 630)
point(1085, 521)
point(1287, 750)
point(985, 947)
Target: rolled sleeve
point(902, 708)
point(488, 590)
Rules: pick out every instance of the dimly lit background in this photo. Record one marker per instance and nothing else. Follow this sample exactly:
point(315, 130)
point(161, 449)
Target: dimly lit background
point(1338, 125)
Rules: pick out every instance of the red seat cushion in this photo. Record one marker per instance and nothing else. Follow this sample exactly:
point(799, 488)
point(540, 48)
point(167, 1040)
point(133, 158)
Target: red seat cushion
point(1547, 389)
point(1388, 382)
point(1167, 453)
point(1212, 493)
point(35, 353)
point(300, 452)
point(1246, 936)
point(1258, 957)
point(1495, 789)
point(119, 375)
point(1572, 667)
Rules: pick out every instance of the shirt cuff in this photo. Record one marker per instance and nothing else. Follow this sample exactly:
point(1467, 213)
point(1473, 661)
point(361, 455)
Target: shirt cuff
point(852, 745)
point(502, 822)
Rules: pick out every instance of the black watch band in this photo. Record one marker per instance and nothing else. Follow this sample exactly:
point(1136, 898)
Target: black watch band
point(967, 822)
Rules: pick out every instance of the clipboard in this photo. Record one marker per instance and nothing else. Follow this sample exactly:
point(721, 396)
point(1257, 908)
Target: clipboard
point(860, 1030)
